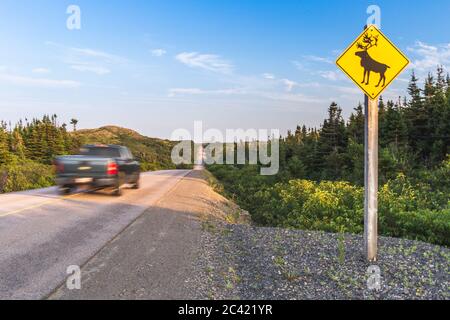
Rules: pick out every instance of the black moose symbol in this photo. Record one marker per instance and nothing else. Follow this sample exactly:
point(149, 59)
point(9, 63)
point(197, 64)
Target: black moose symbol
point(369, 64)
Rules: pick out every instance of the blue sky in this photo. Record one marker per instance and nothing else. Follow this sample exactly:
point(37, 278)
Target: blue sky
point(156, 66)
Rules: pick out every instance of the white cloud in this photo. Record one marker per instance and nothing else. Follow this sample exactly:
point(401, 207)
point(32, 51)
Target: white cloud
point(300, 66)
point(287, 97)
point(293, 97)
point(348, 90)
point(106, 57)
point(210, 62)
point(268, 76)
point(329, 75)
point(188, 91)
point(196, 91)
point(41, 70)
point(89, 60)
point(289, 84)
point(429, 56)
point(318, 59)
point(91, 68)
point(38, 82)
point(158, 52)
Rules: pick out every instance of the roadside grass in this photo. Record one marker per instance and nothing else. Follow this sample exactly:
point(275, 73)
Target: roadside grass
point(209, 226)
point(341, 248)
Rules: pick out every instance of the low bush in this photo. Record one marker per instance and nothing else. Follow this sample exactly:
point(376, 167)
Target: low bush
point(19, 176)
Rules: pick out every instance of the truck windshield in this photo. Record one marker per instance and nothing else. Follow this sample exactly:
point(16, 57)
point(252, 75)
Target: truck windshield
point(102, 152)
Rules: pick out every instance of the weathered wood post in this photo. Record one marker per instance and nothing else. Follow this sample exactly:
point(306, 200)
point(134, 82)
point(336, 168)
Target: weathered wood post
point(371, 179)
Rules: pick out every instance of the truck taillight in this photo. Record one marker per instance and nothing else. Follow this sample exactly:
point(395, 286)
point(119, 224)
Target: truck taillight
point(112, 169)
point(59, 167)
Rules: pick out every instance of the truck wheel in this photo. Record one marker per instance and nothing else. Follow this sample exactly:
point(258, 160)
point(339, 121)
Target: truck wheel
point(136, 185)
point(117, 192)
point(65, 190)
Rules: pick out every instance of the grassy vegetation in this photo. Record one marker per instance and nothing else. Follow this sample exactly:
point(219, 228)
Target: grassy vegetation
point(25, 175)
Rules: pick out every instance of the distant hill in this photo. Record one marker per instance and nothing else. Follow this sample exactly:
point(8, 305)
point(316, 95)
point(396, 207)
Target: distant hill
point(153, 153)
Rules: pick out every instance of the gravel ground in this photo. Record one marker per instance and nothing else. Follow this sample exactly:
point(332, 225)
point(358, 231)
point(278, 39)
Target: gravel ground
point(245, 262)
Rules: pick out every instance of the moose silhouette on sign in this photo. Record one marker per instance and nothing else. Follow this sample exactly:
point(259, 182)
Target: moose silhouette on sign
point(369, 64)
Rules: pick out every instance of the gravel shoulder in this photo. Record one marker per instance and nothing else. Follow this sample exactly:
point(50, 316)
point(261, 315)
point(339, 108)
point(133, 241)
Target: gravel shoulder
point(245, 262)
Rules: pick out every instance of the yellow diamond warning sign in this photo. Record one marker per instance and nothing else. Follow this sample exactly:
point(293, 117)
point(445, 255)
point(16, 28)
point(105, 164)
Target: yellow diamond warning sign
point(372, 62)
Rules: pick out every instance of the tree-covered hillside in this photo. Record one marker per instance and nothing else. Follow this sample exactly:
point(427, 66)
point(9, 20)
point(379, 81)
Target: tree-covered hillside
point(28, 148)
point(154, 154)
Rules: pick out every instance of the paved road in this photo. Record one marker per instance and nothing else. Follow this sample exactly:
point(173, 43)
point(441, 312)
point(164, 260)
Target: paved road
point(42, 233)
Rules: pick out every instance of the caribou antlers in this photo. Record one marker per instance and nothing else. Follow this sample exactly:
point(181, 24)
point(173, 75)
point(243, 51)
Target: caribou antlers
point(369, 41)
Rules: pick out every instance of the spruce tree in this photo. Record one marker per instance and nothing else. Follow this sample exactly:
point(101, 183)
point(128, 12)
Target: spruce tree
point(4, 148)
point(355, 125)
point(17, 144)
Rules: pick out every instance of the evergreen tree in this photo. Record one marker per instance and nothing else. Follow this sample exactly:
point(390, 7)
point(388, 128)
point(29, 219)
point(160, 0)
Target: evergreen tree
point(355, 127)
point(332, 143)
point(4, 149)
point(17, 144)
point(395, 131)
point(416, 116)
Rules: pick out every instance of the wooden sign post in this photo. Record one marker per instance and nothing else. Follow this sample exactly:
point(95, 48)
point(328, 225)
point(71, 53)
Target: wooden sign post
point(371, 179)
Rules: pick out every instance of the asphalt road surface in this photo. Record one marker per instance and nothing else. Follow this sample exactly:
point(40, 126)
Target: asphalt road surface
point(43, 233)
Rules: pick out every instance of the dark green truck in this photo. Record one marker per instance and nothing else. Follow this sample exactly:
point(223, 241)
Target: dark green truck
point(98, 166)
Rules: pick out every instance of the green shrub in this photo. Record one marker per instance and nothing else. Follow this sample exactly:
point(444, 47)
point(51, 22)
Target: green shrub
point(302, 204)
point(26, 175)
point(424, 225)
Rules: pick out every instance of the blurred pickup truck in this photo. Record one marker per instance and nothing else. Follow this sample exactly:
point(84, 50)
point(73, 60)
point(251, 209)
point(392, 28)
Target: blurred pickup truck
point(98, 166)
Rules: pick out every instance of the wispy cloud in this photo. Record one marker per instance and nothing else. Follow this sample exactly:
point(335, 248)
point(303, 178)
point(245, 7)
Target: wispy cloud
point(430, 56)
point(37, 82)
point(158, 52)
point(289, 84)
point(40, 70)
point(317, 59)
point(103, 56)
point(353, 90)
point(330, 75)
point(91, 68)
point(293, 97)
point(210, 62)
point(196, 91)
point(298, 65)
point(271, 95)
point(268, 76)
point(89, 60)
